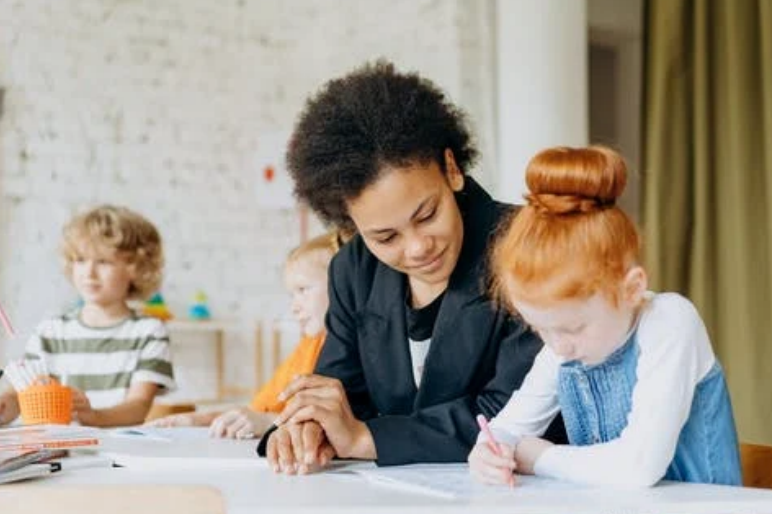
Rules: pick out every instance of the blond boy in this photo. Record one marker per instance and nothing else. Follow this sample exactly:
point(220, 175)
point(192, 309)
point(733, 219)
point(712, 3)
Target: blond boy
point(115, 360)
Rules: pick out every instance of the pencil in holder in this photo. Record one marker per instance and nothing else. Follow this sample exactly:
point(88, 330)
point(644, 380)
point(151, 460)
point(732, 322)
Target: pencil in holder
point(46, 404)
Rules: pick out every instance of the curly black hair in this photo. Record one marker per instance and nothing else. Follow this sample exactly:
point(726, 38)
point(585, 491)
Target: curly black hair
point(357, 125)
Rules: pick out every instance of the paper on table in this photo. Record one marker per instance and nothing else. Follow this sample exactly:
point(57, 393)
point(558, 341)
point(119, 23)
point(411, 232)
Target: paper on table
point(140, 433)
point(141, 462)
point(162, 434)
point(446, 480)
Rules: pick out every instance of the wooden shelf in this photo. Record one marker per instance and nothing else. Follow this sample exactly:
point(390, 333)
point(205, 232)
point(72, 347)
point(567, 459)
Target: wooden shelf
point(216, 329)
point(209, 325)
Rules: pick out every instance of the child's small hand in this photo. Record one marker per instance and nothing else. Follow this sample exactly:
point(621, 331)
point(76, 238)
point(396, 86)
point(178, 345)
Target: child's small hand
point(81, 407)
point(187, 419)
point(529, 449)
point(490, 468)
point(9, 408)
point(241, 423)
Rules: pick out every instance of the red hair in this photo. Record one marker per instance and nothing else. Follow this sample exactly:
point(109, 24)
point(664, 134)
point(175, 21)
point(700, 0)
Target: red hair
point(571, 240)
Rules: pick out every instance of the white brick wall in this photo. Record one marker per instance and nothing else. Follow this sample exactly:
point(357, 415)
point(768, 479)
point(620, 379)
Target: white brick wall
point(158, 105)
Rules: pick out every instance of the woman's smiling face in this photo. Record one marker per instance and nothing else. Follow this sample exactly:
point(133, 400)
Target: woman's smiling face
point(410, 220)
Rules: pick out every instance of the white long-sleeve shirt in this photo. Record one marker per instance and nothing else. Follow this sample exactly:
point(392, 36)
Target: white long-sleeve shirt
point(675, 355)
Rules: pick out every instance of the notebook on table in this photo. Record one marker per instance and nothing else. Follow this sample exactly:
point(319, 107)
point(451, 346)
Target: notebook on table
point(12, 460)
point(23, 464)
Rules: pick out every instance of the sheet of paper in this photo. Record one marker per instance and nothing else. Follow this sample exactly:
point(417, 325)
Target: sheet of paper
point(447, 480)
point(140, 462)
point(162, 434)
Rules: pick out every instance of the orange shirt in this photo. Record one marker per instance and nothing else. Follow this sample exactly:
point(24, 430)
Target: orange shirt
point(302, 361)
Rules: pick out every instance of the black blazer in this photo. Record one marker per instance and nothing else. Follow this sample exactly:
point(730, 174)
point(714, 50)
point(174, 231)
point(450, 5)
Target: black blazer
point(478, 355)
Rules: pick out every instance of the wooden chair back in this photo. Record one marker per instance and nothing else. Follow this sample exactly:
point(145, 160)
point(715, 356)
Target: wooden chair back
point(160, 410)
point(756, 463)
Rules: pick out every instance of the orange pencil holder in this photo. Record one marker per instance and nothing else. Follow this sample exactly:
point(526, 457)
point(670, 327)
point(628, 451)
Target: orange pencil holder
point(46, 404)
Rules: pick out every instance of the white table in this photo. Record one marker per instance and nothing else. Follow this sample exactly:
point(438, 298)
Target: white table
point(249, 486)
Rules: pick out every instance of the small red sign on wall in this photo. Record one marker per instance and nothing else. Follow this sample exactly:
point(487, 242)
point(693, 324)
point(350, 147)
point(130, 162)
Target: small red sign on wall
point(274, 186)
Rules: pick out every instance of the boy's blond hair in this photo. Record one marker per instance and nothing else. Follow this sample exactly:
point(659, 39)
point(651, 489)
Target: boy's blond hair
point(321, 248)
point(130, 234)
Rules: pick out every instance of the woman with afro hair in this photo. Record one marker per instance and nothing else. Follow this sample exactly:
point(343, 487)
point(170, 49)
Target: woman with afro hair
point(415, 347)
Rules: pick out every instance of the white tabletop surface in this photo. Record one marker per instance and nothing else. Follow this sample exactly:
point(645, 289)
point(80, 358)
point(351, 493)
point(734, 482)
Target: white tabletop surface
point(249, 486)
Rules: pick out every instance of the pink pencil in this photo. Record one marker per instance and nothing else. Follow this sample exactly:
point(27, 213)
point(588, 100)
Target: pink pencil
point(5, 320)
point(492, 443)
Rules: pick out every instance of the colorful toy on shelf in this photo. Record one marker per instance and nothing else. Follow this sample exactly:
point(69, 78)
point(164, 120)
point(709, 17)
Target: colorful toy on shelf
point(156, 307)
point(199, 310)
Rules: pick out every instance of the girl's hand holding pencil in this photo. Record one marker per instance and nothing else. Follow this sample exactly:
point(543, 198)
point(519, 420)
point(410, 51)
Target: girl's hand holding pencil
point(492, 462)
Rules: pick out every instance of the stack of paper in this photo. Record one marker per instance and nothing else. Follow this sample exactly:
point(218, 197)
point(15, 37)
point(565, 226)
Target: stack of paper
point(41, 437)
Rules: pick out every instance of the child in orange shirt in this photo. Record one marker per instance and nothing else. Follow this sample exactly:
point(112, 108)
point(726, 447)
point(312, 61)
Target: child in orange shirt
point(305, 275)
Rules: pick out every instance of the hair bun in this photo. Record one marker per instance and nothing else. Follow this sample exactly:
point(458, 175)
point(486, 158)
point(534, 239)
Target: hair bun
point(567, 180)
point(548, 203)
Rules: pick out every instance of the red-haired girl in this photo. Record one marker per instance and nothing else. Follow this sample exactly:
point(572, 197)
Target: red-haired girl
point(633, 373)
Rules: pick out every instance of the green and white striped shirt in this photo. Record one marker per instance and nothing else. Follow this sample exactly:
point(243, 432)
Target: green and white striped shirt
point(104, 362)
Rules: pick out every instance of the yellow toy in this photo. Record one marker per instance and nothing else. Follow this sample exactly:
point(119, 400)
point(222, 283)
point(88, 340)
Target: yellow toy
point(156, 307)
point(199, 310)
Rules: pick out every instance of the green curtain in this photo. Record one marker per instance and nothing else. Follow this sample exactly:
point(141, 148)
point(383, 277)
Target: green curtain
point(707, 181)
